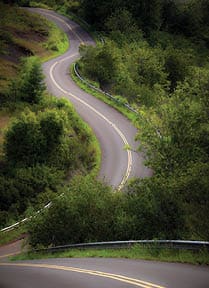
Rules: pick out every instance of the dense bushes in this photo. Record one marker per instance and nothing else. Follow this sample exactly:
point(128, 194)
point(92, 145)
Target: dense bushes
point(41, 149)
point(86, 212)
point(90, 211)
point(45, 144)
point(166, 74)
point(29, 85)
point(22, 186)
point(32, 139)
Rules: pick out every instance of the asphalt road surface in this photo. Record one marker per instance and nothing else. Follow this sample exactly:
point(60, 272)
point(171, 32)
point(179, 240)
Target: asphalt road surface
point(101, 273)
point(112, 129)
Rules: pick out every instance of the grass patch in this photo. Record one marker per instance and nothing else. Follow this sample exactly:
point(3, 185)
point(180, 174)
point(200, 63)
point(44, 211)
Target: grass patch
point(57, 43)
point(119, 107)
point(135, 252)
point(4, 121)
point(39, 5)
point(23, 34)
point(95, 153)
point(13, 235)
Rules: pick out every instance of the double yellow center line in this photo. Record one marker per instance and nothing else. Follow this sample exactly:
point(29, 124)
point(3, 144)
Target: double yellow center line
point(121, 278)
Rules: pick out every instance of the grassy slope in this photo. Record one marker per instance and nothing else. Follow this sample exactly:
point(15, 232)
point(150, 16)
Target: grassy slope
point(23, 34)
point(13, 235)
point(136, 252)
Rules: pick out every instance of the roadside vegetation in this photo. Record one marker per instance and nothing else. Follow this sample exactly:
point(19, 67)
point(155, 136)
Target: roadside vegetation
point(43, 141)
point(135, 252)
point(25, 34)
point(155, 57)
point(16, 234)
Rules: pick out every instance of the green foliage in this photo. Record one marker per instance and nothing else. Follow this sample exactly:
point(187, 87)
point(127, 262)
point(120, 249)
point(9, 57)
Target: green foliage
point(133, 252)
point(23, 185)
point(8, 237)
point(150, 68)
point(147, 14)
point(29, 86)
point(54, 138)
point(122, 27)
point(177, 66)
point(156, 211)
point(101, 63)
point(23, 141)
point(89, 211)
point(37, 4)
point(57, 41)
point(175, 139)
point(131, 71)
point(84, 213)
point(193, 188)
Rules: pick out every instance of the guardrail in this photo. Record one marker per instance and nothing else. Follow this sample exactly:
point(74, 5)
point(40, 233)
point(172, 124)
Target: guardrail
point(103, 92)
point(15, 225)
point(109, 95)
point(156, 244)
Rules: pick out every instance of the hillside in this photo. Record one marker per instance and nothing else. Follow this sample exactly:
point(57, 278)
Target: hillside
point(37, 155)
point(24, 34)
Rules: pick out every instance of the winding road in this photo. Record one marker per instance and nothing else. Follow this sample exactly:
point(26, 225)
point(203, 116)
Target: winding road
point(113, 131)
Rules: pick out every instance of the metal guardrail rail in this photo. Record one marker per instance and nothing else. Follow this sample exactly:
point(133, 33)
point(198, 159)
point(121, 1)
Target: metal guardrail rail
point(103, 92)
point(109, 95)
point(170, 244)
point(15, 225)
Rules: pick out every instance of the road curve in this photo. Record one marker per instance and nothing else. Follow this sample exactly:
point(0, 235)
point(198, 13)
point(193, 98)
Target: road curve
point(112, 129)
point(101, 273)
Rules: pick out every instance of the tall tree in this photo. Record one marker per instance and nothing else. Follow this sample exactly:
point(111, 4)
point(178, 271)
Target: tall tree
point(31, 81)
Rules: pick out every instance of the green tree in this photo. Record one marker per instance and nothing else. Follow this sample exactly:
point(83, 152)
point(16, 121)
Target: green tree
point(154, 208)
point(192, 187)
point(23, 185)
point(29, 85)
point(96, 12)
point(177, 66)
point(52, 127)
point(146, 13)
point(86, 212)
point(122, 27)
point(31, 81)
point(23, 141)
point(32, 138)
point(176, 135)
point(101, 63)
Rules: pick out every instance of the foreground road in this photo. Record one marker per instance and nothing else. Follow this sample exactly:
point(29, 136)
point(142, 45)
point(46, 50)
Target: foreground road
point(112, 129)
point(101, 273)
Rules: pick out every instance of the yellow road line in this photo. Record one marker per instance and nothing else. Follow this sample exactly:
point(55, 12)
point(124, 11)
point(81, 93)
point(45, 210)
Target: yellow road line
point(117, 277)
point(119, 132)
